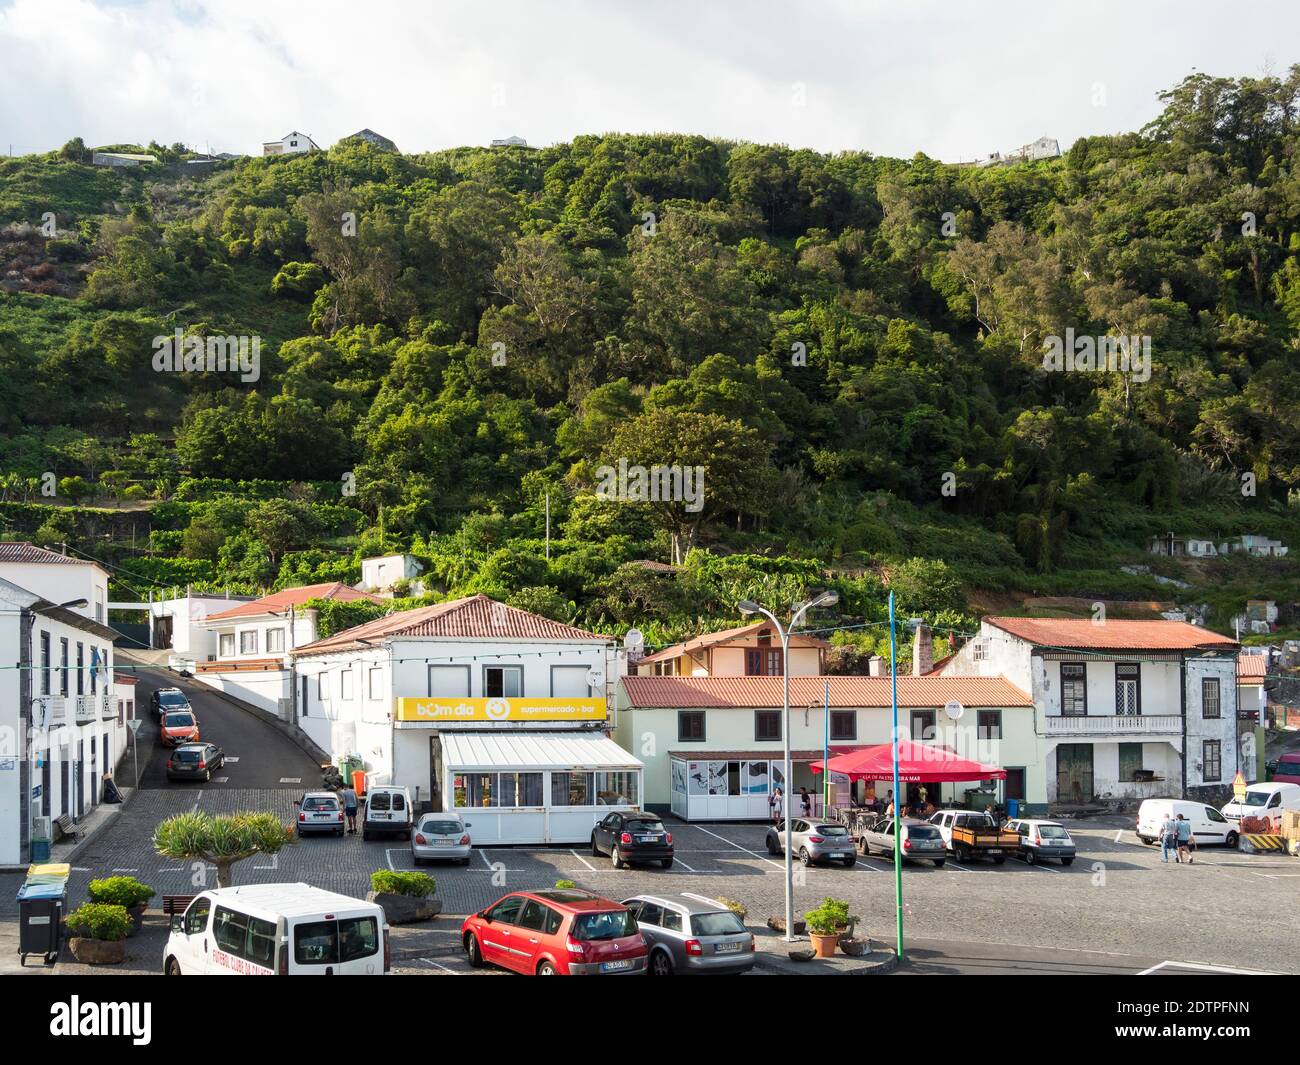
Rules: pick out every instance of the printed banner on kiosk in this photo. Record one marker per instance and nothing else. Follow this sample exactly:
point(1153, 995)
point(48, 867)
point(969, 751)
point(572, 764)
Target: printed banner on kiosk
point(435, 709)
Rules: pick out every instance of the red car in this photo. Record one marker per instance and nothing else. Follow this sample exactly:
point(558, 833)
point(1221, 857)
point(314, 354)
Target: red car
point(177, 727)
point(555, 933)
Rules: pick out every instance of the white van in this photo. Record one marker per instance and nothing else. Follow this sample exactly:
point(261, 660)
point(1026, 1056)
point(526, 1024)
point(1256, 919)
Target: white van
point(277, 930)
point(387, 810)
point(1267, 798)
point(1208, 825)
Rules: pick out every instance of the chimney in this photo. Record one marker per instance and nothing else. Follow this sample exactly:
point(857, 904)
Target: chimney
point(875, 666)
point(922, 651)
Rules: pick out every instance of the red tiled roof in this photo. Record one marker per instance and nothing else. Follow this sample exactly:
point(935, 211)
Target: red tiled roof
point(1252, 667)
point(280, 601)
point(700, 693)
point(709, 639)
point(1113, 635)
point(22, 551)
point(474, 617)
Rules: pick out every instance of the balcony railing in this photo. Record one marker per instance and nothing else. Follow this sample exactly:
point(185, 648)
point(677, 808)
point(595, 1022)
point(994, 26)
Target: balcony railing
point(1117, 724)
point(49, 711)
point(107, 703)
point(86, 709)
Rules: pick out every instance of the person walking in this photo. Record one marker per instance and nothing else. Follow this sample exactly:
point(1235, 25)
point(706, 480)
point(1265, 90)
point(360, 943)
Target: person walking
point(777, 802)
point(1184, 828)
point(349, 797)
point(1168, 838)
point(805, 802)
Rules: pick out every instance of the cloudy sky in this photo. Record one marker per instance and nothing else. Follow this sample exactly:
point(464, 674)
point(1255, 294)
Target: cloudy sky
point(953, 79)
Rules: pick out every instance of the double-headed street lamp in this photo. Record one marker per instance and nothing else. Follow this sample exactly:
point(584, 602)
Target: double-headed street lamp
point(747, 607)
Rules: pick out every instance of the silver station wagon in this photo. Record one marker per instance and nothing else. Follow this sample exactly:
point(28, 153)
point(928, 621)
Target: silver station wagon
point(691, 934)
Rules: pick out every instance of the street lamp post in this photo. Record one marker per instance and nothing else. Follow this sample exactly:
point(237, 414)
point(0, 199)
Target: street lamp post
point(748, 607)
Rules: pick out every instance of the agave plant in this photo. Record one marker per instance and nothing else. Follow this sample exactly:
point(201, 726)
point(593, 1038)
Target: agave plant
point(223, 840)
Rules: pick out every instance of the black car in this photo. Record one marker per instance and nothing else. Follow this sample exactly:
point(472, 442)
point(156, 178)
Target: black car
point(165, 699)
point(195, 761)
point(633, 837)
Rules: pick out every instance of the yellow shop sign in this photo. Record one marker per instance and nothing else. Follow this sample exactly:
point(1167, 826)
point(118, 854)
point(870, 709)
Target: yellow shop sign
point(435, 709)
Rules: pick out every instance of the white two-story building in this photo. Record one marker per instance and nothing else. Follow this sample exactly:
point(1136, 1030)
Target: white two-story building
point(253, 641)
point(1126, 709)
point(475, 705)
point(59, 712)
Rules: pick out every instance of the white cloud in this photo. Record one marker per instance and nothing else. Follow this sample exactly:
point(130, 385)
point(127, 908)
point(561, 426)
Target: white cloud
point(893, 78)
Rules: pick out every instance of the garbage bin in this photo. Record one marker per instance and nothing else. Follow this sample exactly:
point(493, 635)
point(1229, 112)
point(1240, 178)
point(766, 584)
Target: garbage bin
point(1013, 808)
point(40, 920)
point(359, 781)
point(978, 798)
point(40, 850)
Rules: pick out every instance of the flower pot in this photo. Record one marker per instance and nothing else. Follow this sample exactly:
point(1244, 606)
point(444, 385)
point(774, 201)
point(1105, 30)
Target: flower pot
point(824, 946)
point(405, 909)
point(97, 951)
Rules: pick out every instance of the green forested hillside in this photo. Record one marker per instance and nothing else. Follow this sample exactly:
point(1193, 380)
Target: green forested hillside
point(853, 347)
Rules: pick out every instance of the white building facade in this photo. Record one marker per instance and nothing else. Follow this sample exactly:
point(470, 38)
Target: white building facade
point(422, 697)
point(1125, 709)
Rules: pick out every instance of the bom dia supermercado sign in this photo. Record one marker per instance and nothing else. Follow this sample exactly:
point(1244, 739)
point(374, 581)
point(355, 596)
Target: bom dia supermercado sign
point(433, 710)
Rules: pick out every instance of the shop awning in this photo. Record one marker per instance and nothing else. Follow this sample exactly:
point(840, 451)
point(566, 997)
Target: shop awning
point(533, 750)
point(918, 763)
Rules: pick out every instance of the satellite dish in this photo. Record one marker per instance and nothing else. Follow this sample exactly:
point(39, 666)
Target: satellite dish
point(596, 678)
point(953, 709)
point(634, 641)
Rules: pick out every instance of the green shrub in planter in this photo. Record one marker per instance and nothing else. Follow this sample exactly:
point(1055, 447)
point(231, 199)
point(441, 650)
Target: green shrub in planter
point(120, 891)
point(99, 920)
point(738, 908)
point(417, 885)
point(562, 885)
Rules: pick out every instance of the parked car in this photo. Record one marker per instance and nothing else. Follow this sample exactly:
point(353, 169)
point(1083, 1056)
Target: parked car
point(441, 837)
point(277, 930)
point(165, 699)
point(1265, 799)
point(971, 834)
point(319, 811)
point(922, 842)
point(633, 837)
point(387, 812)
point(195, 761)
point(555, 933)
point(1208, 825)
point(177, 727)
point(814, 841)
point(1042, 839)
point(1286, 769)
point(692, 935)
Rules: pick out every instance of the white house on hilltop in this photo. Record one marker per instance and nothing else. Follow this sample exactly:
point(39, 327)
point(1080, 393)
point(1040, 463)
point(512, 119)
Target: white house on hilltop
point(290, 144)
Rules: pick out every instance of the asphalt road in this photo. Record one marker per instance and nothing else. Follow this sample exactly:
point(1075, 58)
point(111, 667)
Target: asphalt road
point(257, 756)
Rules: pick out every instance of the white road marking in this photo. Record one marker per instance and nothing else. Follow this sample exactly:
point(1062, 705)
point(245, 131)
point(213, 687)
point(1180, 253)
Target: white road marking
point(221, 780)
point(483, 854)
point(584, 861)
point(439, 965)
point(1277, 876)
point(677, 858)
point(752, 854)
point(133, 869)
point(232, 758)
point(388, 857)
point(1200, 967)
point(1118, 834)
point(291, 780)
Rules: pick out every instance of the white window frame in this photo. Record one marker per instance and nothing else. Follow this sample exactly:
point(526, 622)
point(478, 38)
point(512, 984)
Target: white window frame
point(375, 683)
point(277, 631)
point(224, 650)
point(244, 634)
point(346, 686)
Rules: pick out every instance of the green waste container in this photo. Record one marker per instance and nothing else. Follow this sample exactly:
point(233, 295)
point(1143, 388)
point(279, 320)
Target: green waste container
point(978, 798)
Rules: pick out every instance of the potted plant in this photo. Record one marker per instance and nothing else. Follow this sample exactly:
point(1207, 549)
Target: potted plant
point(823, 929)
point(124, 891)
point(562, 885)
point(98, 932)
point(404, 896)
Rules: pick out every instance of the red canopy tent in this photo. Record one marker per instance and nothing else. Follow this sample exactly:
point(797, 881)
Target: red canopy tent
point(918, 763)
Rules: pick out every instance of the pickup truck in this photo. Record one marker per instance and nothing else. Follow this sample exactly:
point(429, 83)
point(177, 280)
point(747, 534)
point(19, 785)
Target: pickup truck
point(970, 834)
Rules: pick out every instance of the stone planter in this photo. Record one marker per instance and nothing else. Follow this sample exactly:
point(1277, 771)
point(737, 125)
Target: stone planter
point(854, 948)
point(97, 951)
point(824, 946)
point(405, 909)
point(777, 924)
